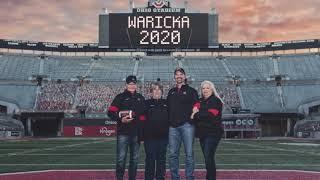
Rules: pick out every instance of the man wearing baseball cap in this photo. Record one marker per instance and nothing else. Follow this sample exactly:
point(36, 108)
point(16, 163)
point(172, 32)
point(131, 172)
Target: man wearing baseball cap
point(128, 109)
point(180, 101)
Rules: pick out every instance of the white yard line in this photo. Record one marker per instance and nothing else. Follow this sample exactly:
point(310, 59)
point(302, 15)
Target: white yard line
point(49, 148)
point(275, 148)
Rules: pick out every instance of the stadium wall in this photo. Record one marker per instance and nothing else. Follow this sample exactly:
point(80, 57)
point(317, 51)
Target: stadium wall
point(74, 127)
point(220, 48)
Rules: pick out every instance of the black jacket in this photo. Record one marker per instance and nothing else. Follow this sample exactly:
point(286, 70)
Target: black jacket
point(180, 102)
point(157, 121)
point(208, 119)
point(128, 101)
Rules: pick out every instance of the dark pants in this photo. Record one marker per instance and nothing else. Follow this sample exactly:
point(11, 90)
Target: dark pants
point(123, 143)
point(155, 163)
point(209, 146)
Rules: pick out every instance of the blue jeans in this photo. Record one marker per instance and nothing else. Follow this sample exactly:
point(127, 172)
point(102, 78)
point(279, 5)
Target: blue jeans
point(185, 134)
point(209, 146)
point(155, 163)
point(123, 143)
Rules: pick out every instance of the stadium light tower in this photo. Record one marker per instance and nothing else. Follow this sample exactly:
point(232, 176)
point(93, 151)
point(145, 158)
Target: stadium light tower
point(279, 78)
point(83, 79)
point(131, 5)
point(105, 11)
point(235, 79)
point(39, 79)
point(213, 9)
point(82, 111)
point(186, 3)
point(213, 4)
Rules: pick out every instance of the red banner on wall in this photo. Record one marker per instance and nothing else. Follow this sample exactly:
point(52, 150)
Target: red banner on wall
point(89, 131)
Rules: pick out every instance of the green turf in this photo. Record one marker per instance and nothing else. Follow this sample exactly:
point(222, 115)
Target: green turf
point(96, 153)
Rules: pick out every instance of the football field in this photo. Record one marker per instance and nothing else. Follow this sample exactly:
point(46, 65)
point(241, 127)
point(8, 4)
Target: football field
point(91, 154)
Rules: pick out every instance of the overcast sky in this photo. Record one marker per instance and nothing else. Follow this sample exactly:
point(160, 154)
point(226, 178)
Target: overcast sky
point(240, 20)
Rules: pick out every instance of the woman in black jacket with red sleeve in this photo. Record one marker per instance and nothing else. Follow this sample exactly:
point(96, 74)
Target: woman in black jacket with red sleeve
point(207, 118)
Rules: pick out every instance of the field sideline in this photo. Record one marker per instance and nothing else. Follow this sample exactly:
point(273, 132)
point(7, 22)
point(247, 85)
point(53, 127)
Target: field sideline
point(99, 154)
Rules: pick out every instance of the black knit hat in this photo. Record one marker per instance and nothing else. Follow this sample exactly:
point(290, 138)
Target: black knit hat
point(131, 79)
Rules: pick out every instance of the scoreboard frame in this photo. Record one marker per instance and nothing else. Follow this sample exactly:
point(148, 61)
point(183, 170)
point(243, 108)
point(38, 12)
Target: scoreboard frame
point(158, 29)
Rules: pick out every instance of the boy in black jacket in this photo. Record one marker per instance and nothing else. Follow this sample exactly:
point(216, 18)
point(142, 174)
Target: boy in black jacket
point(156, 134)
point(128, 110)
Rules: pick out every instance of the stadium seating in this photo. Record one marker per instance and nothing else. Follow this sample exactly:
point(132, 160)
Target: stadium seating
point(55, 96)
point(152, 68)
point(112, 69)
point(22, 95)
point(66, 68)
point(101, 69)
point(300, 67)
point(294, 95)
point(107, 76)
point(18, 67)
point(261, 98)
point(250, 68)
point(98, 96)
point(205, 68)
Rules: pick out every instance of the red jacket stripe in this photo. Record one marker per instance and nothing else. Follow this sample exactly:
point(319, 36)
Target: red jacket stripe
point(197, 105)
point(113, 109)
point(142, 117)
point(214, 112)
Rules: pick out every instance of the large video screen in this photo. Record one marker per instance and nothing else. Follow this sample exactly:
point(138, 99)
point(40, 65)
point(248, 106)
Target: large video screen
point(158, 30)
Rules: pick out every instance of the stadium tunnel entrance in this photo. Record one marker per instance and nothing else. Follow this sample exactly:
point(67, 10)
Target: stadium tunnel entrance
point(8, 106)
point(3, 109)
point(42, 124)
point(278, 124)
point(310, 106)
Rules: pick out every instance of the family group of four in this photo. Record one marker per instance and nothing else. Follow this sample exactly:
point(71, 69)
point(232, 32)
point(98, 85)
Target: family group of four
point(164, 124)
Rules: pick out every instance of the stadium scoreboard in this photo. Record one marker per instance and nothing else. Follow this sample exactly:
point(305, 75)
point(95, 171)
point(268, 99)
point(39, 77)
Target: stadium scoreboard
point(155, 27)
point(158, 30)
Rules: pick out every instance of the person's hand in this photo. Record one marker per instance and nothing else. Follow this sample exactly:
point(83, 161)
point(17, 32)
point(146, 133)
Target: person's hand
point(195, 110)
point(192, 115)
point(126, 119)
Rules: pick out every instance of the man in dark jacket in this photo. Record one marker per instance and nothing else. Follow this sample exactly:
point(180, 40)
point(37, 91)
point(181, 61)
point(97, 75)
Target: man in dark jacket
point(128, 110)
point(181, 100)
point(156, 134)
